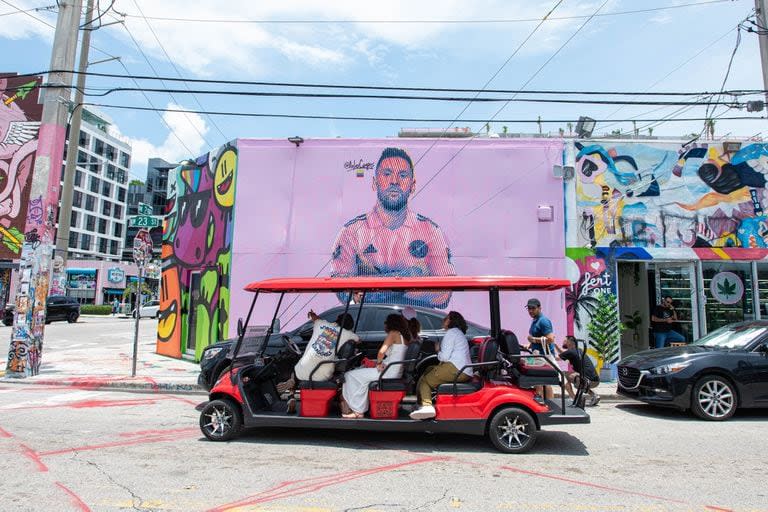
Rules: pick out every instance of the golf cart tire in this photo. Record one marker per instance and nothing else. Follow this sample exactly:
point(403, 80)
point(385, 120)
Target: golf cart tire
point(512, 430)
point(223, 409)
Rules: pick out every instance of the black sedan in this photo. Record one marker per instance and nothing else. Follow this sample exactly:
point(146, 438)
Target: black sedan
point(57, 307)
point(217, 357)
point(724, 370)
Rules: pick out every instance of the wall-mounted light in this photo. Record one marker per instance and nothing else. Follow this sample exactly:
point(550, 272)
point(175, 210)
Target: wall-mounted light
point(563, 171)
point(545, 213)
point(296, 140)
point(584, 127)
point(731, 147)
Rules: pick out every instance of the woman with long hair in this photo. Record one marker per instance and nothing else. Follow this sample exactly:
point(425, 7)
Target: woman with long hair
point(354, 403)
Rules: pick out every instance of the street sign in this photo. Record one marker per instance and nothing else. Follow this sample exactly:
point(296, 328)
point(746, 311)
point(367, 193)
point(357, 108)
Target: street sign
point(144, 221)
point(145, 209)
point(142, 247)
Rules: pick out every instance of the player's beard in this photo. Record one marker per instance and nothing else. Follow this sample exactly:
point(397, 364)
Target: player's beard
point(392, 205)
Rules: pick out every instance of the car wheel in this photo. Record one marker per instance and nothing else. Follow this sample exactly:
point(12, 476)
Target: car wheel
point(221, 420)
point(512, 430)
point(714, 398)
point(72, 317)
point(157, 315)
point(134, 314)
point(7, 322)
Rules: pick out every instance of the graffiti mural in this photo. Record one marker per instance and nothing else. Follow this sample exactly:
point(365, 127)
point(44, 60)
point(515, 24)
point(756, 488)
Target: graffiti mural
point(197, 242)
point(20, 115)
point(700, 196)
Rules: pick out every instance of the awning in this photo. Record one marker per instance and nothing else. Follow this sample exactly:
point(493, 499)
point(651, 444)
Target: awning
point(82, 271)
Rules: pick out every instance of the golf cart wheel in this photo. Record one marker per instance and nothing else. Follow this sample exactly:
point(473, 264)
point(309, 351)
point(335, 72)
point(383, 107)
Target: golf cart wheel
point(713, 399)
point(72, 317)
point(221, 420)
point(512, 430)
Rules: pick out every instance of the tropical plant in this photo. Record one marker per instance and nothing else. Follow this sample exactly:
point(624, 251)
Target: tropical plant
point(605, 328)
point(578, 303)
point(634, 321)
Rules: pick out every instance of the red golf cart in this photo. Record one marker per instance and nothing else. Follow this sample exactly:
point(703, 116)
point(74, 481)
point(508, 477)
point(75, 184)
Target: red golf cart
point(499, 402)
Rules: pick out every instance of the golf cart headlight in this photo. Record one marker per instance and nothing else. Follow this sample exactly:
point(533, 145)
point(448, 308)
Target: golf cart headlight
point(669, 368)
point(211, 352)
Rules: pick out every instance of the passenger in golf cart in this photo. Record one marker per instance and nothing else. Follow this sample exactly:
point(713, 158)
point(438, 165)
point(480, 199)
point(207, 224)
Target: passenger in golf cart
point(495, 399)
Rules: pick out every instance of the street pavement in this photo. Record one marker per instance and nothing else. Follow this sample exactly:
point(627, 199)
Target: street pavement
point(65, 449)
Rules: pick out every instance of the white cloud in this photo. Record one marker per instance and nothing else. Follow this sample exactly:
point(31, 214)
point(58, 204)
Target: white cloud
point(186, 127)
point(24, 26)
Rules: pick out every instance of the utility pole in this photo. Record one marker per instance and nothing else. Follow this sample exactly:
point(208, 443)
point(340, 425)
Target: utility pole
point(26, 346)
point(761, 12)
point(67, 190)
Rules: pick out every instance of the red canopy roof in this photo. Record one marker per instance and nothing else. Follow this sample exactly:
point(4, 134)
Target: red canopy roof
point(340, 284)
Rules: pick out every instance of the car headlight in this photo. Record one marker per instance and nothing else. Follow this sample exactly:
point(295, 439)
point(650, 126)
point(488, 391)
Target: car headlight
point(211, 352)
point(669, 368)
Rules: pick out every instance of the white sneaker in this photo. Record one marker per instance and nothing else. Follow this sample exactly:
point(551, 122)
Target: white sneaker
point(424, 412)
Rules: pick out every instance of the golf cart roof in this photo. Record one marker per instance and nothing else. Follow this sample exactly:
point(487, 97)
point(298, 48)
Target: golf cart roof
point(366, 284)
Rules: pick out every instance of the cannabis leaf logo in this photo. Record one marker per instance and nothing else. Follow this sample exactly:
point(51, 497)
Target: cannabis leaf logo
point(726, 288)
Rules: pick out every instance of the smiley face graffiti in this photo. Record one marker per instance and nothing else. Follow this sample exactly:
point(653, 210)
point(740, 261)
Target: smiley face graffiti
point(224, 178)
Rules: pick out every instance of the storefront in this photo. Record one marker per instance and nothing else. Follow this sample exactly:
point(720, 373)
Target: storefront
point(685, 221)
point(81, 284)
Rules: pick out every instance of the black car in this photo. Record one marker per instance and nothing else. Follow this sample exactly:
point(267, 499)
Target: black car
point(724, 370)
point(57, 307)
point(216, 357)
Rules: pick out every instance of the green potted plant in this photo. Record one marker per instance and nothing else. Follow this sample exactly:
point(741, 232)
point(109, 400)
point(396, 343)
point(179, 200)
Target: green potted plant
point(634, 322)
point(605, 332)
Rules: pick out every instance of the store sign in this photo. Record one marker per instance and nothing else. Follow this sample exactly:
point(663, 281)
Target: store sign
point(115, 275)
point(727, 288)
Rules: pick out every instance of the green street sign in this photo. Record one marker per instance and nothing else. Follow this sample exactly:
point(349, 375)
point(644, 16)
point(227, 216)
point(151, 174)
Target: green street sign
point(145, 209)
point(144, 221)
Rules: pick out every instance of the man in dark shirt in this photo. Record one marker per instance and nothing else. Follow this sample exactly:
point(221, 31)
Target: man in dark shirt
point(569, 352)
point(662, 321)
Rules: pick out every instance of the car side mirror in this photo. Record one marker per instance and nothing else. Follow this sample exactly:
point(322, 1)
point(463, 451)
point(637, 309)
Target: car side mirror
point(763, 348)
point(240, 328)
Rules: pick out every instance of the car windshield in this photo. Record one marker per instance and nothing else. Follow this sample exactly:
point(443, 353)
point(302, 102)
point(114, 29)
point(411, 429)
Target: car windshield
point(732, 336)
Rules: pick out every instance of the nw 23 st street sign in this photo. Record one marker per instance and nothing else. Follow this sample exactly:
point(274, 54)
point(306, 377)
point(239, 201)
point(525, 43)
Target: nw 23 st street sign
point(144, 221)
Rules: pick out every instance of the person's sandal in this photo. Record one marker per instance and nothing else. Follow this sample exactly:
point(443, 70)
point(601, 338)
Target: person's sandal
point(353, 415)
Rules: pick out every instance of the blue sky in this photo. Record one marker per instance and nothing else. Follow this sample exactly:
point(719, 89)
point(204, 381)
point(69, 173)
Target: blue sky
point(630, 52)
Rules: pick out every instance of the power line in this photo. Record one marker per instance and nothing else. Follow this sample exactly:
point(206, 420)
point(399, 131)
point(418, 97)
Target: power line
point(422, 21)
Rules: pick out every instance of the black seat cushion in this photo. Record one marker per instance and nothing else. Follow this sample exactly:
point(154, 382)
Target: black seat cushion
point(462, 388)
point(318, 384)
point(388, 385)
point(537, 371)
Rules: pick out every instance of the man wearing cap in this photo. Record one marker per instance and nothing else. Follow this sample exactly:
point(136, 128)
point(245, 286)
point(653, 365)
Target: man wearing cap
point(541, 338)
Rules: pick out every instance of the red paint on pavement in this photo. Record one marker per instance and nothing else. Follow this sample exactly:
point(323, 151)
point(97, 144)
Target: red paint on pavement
point(34, 457)
point(5, 433)
point(127, 442)
point(304, 486)
point(185, 430)
point(711, 507)
point(88, 404)
point(76, 501)
point(180, 399)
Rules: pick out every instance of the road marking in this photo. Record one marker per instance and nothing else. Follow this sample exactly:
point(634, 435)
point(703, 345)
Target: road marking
point(76, 501)
point(170, 436)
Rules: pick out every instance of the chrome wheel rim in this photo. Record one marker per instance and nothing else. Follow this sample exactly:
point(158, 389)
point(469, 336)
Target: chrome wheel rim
point(716, 399)
point(512, 432)
point(219, 421)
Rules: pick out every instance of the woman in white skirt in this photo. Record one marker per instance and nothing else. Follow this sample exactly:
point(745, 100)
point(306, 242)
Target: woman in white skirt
point(354, 403)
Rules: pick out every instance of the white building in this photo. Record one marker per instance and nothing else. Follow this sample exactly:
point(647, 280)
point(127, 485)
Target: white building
point(98, 223)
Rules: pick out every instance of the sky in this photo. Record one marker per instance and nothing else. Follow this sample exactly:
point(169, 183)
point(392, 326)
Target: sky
point(585, 45)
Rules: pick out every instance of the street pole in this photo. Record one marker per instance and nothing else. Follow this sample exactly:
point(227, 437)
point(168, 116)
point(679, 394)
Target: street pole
point(26, 345)
point(761, 12)
point(138, 317)
point(67, 190)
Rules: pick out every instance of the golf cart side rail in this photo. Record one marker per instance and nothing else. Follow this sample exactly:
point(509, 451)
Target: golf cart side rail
point(366, 284)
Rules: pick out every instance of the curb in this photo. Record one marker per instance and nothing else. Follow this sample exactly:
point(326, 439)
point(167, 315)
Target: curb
point(104, 384)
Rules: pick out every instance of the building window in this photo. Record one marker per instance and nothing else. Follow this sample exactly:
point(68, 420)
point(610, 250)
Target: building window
point(90, 203)
point(73, 220)
point(125, 159)
point(117, 212)
point(85, 139)
point(82, 158)
point(111, 153)
point(85, 242)
point(103, 245)
point(106, 208)
point(121, 176)
point(103, 226)
point(78, 178)
point(111, 172)
point(90, 223)
point(95, 182)
point(113, 247)
point(118, 231)
point(121, 194)
point(77, 198)
point(98, 146)
point(73, 239)
point(106, 189)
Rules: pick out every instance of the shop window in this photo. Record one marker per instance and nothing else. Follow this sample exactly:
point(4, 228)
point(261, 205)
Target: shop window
point(728, 289)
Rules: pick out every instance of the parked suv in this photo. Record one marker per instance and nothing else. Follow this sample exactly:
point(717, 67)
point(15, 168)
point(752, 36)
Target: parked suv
point(57, 307)
point(370, 329)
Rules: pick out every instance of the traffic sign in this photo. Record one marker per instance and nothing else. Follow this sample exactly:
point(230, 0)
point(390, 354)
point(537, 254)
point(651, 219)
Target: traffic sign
point(142, 247)
point(145, 209)
point(144, 221)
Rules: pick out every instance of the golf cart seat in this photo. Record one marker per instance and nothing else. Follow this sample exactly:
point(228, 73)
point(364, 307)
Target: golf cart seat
point(527, 373)
point(487, 363)
point(409, 364)
point(316, 395)
point(385, 395)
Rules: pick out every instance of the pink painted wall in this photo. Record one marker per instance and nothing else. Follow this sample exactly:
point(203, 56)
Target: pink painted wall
point(292, 201)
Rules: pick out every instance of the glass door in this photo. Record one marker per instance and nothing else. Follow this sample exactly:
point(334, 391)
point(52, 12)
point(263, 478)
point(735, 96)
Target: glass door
point(728, 289)
point(678, 280)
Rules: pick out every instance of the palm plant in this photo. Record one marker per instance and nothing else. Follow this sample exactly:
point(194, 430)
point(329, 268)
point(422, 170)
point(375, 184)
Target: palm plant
point(605, 328)
point(578, 303)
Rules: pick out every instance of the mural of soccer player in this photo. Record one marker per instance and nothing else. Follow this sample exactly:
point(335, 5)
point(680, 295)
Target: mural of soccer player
point(393, 240)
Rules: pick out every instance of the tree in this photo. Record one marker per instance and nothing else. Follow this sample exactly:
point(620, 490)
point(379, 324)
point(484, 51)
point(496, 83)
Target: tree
point(130, 289)
point(136, 182)
point(578, 303)
point(650, 131)
point(605, 328)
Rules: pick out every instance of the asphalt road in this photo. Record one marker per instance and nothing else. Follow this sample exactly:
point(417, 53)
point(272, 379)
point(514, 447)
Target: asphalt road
point(75, 449)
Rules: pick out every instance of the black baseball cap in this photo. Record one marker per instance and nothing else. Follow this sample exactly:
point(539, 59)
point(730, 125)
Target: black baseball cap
point(533, 303)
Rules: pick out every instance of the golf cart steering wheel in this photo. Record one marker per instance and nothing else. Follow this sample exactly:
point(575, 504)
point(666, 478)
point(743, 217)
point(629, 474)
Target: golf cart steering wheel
point(291, 345)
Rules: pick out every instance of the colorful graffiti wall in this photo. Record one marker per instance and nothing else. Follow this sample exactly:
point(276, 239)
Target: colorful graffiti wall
point(197, 243)
point(20, 115)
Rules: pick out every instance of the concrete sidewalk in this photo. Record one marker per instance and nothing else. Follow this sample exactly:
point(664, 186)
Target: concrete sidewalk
point(96, 353)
